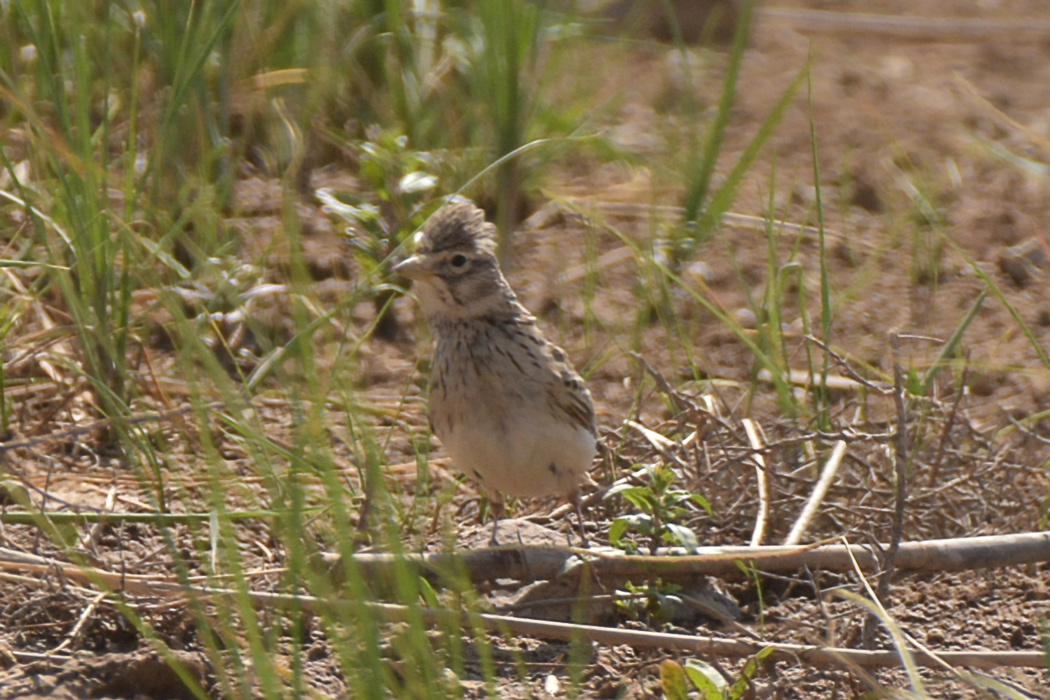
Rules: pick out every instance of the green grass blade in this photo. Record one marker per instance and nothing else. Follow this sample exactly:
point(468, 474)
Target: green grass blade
point(700, 181)
point(723, 198)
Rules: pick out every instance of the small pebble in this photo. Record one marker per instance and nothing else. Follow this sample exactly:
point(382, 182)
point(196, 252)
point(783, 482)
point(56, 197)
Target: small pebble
point(746, 318)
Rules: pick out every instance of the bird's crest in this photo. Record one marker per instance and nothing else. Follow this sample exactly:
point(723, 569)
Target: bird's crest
point(457, 226)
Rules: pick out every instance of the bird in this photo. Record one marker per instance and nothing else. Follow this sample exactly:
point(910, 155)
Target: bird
point(508, 406)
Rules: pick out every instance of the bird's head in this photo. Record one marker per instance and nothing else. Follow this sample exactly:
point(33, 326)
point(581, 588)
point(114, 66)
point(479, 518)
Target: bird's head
point(454, 270)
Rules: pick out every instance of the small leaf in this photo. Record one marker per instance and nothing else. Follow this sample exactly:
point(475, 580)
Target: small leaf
point(672, 678)
point(662, 476)
point(428, 594)
point(638, 521)
point(68, 533)
point(665, 607)
point(913, 382)
point(372, 172)
point(702, 502)
point(629, 588)
point(641, 522)
point(417, 182)
point(641, 497)
point(706, 679)
point(617, 530)
point(684, 536)
point(617, 489)
point(740, 687)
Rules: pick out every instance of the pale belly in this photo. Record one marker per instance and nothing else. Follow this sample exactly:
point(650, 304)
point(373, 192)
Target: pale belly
point(492, 408)
point(527, 454)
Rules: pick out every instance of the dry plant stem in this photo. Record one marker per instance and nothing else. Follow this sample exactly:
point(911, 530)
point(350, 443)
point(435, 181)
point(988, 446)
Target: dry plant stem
point(901, 466)
point(875, 607)
point(85, 615)
point(988, 110)
point(758, 224)
point(68, 392)
point(528, 564)
point(61, 347)
point(635, 477)
point(676, 399)
point(821, 656)
point(882, 592)
point(662, 444)
point(804, 378)
point(79, 514)
point(907, 27)
point(848, 435)
point(513, 626)
point(103, 424)
point(827, 475)
point(1024, 430)
point(762, 517)
point(938, 460)
point(847, 369)
point(97, 530)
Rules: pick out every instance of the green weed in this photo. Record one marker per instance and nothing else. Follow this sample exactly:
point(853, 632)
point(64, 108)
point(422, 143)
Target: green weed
point(400, 185)
point(661, 508)
point(706, 679)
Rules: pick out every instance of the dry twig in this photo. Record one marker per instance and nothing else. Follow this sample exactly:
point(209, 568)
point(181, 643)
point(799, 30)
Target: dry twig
point(827, 475)
point(762, 517)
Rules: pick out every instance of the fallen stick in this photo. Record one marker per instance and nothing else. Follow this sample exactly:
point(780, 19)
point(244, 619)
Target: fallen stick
point(523, 563)
point(644, 639)
point(545, 563)
point(827, 475)
point(761, 482)
point(514, 626)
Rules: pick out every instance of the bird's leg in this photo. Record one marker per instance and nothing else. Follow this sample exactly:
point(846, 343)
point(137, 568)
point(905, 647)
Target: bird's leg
point(499, 509)
point(578, 502)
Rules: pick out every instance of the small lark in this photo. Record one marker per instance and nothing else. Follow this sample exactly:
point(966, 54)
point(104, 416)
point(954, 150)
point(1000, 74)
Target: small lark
point(505, 402)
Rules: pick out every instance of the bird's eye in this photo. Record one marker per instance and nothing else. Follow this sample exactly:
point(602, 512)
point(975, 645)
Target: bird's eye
point(458, 261)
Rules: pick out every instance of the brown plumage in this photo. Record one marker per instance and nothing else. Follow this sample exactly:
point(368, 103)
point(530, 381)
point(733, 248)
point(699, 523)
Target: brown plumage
point(506, 403)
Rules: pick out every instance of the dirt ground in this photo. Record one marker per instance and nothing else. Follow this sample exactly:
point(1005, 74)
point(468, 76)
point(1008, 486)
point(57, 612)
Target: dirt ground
point(911, 129)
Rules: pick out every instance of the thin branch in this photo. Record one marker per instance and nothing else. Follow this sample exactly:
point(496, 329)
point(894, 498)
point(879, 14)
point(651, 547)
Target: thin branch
point(527, 564)
point(847, 369)
point(938, 460)
point(517, 627)
point(523, 563)
point(901, 467)
point(514, 627)
point(827, 475)
point(854, 557)
point(762, 517)
point(80, 430)
point(882, 593)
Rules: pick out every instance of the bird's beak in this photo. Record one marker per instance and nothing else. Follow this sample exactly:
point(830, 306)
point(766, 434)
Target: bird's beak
point(412, 268)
